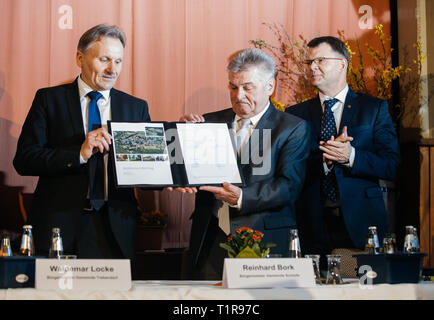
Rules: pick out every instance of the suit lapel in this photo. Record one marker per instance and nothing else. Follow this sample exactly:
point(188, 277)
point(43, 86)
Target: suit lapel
point(350, 107)
point(116, 106)
point(74, 108)
point(267, 121)
point(315, 114)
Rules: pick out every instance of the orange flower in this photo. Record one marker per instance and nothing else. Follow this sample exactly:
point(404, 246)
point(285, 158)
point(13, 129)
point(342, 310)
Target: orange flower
point(256, 238)
point(259, 233)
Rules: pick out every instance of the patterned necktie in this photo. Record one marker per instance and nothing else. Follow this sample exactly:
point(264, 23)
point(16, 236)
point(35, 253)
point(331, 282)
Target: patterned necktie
point(328, 129)
point(243, 131)
point(96, 162)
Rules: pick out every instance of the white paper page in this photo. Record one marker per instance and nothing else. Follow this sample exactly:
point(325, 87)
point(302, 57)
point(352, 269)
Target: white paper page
point(141, 153)
point(209, 156)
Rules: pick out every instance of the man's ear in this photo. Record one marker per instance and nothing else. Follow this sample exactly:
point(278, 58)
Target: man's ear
point(79, 59)
point(270, 86)
point(344, 64)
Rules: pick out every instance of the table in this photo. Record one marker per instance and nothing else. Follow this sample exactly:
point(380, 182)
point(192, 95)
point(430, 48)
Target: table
point(206, 290)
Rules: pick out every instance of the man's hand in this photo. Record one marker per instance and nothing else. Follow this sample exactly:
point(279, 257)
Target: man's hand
point(96, 140)
point(228, 193)
point(337, 150)
point(192, 118)
point(182, 190)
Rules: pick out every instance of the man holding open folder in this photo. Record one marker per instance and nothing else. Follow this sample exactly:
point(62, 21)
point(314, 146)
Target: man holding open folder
point(59, 143)
point(266, 201)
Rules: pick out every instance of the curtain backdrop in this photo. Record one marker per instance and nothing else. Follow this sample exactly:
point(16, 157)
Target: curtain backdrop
point(175, 58)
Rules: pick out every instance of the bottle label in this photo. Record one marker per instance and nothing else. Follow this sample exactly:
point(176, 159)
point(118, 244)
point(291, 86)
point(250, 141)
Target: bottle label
point(57, 244)
point(25, 242)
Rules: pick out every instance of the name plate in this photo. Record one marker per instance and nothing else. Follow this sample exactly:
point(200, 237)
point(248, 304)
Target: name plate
point(82, 274)
point(268, 273)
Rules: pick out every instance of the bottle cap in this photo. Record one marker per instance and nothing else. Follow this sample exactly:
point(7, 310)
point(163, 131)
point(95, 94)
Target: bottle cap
point(56, 230)
point(27, 226)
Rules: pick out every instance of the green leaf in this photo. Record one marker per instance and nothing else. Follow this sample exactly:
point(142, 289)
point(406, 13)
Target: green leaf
point(247, 252)
point(228, 248)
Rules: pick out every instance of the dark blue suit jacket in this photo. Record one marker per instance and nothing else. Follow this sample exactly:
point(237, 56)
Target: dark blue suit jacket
point(49, 147)
point(270, 196)
point(377, 157)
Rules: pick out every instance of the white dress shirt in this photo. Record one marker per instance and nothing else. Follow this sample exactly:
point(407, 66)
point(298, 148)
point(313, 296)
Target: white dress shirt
point(253, 123)
point(337, 110)
point(105, 113)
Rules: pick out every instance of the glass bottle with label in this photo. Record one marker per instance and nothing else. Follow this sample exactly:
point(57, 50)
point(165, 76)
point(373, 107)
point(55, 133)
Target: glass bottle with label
point(6, 250)
point(416, 241)
point(56, 246)
point(372, 245)
point(294, 244)
point(411, 240)
point(389, 243)
point(27, 246)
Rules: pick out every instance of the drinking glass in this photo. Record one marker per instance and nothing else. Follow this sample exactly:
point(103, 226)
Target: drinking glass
point(334, 269)
point(315, 262)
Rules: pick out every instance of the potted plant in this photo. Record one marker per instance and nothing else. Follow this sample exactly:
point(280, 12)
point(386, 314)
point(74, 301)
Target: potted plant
point(246, 243)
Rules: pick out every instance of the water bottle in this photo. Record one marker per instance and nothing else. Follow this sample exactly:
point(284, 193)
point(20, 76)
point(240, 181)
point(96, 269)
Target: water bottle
point(6, 250)
point(294, 244)
point(372, 245)
point(27, 247)
point(389, 243)
point(411, 240)
point(56, 247)
point(416, 241)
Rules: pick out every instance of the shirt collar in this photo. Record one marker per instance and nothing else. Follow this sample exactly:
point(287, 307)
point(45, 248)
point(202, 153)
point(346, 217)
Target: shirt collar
point(84, 89)
point(255, 119)
point(340, 96)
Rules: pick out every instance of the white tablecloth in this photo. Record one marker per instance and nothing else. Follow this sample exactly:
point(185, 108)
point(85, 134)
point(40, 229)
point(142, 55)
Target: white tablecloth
point(206, 290)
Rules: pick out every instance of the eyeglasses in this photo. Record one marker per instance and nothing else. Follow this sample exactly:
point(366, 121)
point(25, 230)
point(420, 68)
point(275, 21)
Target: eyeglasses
point(319, 60)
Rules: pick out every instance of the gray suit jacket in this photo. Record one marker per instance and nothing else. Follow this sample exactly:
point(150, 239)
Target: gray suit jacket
point(270, 191)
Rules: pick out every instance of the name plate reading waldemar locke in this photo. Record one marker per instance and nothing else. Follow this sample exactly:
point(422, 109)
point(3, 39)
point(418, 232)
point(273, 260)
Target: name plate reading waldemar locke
point(82, 274)
point(268, 273)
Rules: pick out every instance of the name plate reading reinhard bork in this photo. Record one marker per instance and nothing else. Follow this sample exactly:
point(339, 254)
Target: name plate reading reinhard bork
point(268, 273)
point(83, 274)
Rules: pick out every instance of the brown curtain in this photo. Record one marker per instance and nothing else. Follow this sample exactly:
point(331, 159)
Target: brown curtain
point(176, 56)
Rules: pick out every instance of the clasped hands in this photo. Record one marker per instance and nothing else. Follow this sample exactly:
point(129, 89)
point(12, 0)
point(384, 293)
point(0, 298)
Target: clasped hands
point(337, 149)
point(98, 140)
point(228, 193)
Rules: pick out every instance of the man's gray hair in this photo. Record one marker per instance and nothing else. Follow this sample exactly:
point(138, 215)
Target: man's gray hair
point(98, 32)
point(244, 59)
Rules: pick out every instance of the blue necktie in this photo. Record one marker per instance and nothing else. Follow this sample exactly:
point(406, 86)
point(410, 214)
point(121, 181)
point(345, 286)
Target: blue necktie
point(94, 118)
point(96, 162)
point(328, 129)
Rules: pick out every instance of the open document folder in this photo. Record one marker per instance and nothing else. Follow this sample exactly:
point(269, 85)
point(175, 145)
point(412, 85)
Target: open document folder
point(162, 154)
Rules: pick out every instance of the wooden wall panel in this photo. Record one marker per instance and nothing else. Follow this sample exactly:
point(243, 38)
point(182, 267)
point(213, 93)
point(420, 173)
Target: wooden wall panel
point(424, 215)
point(431, 208)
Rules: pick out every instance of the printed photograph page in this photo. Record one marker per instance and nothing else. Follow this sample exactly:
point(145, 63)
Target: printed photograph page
point(141, 156)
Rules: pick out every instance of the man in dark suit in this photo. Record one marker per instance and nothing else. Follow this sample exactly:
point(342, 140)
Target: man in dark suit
point(354, 146)
point(267, 201)
point(59, 144)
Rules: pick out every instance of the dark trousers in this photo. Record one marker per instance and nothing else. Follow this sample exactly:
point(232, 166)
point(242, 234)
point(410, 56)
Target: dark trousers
point(336, 228)
point(337, 231)
point(211, 259)
point(96, 239)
